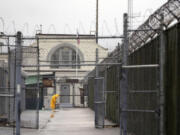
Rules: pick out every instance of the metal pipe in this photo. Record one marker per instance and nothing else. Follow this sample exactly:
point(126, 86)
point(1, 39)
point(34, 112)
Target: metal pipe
point(31, 88)
point(62, 61)
point(143, 91)
point(38, 90)
point(8, 36)
point(61, 37)
point(51, 65)
point(111, 91)
point(119, 80)
point(6, 88)
point(123, 82)
point(14, 81)
point(141, 66)
point(63, 77)
point(97, 20)
point(96, 64)
point(9, 90)
point(108, 57)
point(54, 70)
point(73, 95)
point(162, 71)
point(16, 46)
point(54, 74)
point(18, 82)
point(138, 110)
point(72, 38)
point(105, 93)
point(96, 89)
point(70, 95)
point(6, 95)
point(99, 102)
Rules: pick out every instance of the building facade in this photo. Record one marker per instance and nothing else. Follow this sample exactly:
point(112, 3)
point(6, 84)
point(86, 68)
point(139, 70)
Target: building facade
point(64, 56)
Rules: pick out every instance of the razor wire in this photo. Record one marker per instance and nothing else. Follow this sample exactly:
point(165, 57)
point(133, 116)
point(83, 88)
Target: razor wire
point(149, 29)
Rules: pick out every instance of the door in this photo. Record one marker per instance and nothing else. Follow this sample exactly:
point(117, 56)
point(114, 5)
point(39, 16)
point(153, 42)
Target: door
point(65, 94)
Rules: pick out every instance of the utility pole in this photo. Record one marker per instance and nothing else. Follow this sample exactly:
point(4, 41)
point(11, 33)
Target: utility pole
point(97, 19)
point(18, 81)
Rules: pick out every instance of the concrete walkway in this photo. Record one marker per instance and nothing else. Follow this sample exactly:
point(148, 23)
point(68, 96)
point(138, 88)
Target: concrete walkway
point(28, 118)
point(75, 122)
point(66, 121)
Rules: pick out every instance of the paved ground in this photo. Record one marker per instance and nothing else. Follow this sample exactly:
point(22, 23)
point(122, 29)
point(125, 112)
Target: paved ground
point(69, 122)
point(28, 118)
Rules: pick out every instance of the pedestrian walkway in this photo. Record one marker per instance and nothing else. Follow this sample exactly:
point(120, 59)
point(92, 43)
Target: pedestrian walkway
point(75, 121)
point(28, 118)
point(66, 121)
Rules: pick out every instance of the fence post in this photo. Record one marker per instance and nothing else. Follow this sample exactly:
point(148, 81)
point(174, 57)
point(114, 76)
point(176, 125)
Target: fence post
point(18, 80)
point(73, 94)
point(54, 80)
point(118, 79)
point(38, 90)
point(97, 60)
point(162, 71)
point(105, 89)
point(9, 85)
point(123, 82)
point(95, 92)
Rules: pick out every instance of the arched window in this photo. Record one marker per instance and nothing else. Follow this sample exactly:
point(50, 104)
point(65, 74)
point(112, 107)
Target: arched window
point(65, 55)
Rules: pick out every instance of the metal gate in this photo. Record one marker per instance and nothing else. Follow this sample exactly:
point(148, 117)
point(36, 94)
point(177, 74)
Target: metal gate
point(15, 52)
point(99, 103)
point(23, 61)
point(142, 91)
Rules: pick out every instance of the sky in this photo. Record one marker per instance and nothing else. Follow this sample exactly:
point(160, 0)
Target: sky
point(70, 16)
